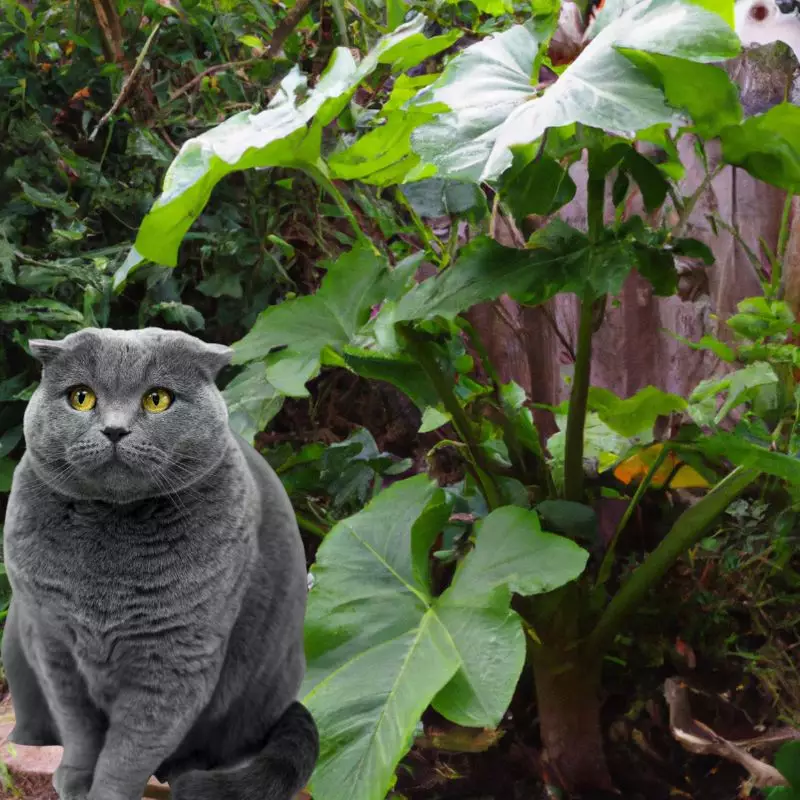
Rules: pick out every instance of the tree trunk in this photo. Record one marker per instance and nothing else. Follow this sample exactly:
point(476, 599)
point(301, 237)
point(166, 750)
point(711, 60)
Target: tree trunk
point(568, 695)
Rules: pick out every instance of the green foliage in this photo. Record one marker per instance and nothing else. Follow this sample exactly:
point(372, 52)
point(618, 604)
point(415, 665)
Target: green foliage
point(787, 762)
point(381, 646)
point(350, 169)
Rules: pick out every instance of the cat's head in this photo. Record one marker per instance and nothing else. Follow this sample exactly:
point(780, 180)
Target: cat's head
point(124, 415)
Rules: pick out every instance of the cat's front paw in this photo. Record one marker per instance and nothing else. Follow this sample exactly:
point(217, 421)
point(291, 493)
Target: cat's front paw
point(72, 783)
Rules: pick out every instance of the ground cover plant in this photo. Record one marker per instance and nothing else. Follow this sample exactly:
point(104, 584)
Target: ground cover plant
point(434, 595)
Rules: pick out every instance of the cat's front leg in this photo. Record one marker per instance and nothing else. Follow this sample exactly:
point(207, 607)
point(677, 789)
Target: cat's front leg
point(146, 726)
point(80, 725)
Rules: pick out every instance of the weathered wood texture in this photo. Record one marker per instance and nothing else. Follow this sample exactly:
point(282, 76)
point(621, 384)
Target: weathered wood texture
point(632, 349)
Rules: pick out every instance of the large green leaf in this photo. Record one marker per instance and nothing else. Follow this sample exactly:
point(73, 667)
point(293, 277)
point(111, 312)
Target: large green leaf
point(399, 369)
point(278, 136)
point(493, 105)
point(381, 647)
point(512, 554)
point(737, 387)
point(561, 260)
point(377, 653)
point(480, 87)
point(305, 326)
point(767, 146)
point(705, 92)
point(635, 414)
point(744, 453)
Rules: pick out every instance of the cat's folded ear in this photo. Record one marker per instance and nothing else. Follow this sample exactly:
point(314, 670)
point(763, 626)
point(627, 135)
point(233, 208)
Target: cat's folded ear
point(44, 350)
point(215, 357)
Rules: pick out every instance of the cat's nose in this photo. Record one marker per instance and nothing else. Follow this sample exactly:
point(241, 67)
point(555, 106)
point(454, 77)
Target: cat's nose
point(115, 433)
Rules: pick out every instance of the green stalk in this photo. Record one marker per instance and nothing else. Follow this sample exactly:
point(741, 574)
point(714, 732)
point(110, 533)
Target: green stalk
point(576, 416)
point(309, 526)
point(688, 529)
point(579, 397)
point(608, 560)
point(444, 388)
point(318, 173)
point(783, 241)
point(341, 22)
point(431, 241)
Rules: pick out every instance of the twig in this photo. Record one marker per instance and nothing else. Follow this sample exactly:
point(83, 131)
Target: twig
point(288, 24)
point(281, 34)
point(210, 71)
point(127, 84)
point(698, 738)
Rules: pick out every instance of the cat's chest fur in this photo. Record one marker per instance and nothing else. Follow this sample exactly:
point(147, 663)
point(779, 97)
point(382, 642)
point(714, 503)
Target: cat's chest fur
point(119, 585)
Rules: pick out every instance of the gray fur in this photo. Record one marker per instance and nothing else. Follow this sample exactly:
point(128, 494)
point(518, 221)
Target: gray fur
point(159, 583)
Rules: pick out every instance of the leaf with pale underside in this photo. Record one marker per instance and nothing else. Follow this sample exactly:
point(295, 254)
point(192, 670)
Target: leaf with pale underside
point(494, 106)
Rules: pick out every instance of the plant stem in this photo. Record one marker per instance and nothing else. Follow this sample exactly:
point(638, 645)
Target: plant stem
point(783, 241)
point(444, 388)
point(576, 416)
point(430, 240)
point(310, 526)
point(608, 560)
point(687, 531)
point(515, 445)
point(341, 22)
point(318, 173)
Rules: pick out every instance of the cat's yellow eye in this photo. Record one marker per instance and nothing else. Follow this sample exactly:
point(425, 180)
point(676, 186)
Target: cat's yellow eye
point(82, 398)
point(157, 400)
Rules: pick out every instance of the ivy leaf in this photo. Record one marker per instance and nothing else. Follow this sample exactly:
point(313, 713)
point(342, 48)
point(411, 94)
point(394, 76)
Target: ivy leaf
point(305, 326)
point(178, 314)
point(493, 106)
point(766, 146)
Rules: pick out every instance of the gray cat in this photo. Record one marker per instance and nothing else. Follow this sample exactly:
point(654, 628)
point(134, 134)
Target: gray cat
point(159, 580)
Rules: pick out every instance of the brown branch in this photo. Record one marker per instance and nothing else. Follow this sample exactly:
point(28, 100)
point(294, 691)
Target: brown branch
point(698, 738)
point(128, 83)
point(111, 27)
point(286, 26)
point(194, 82)
point(280, 35)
